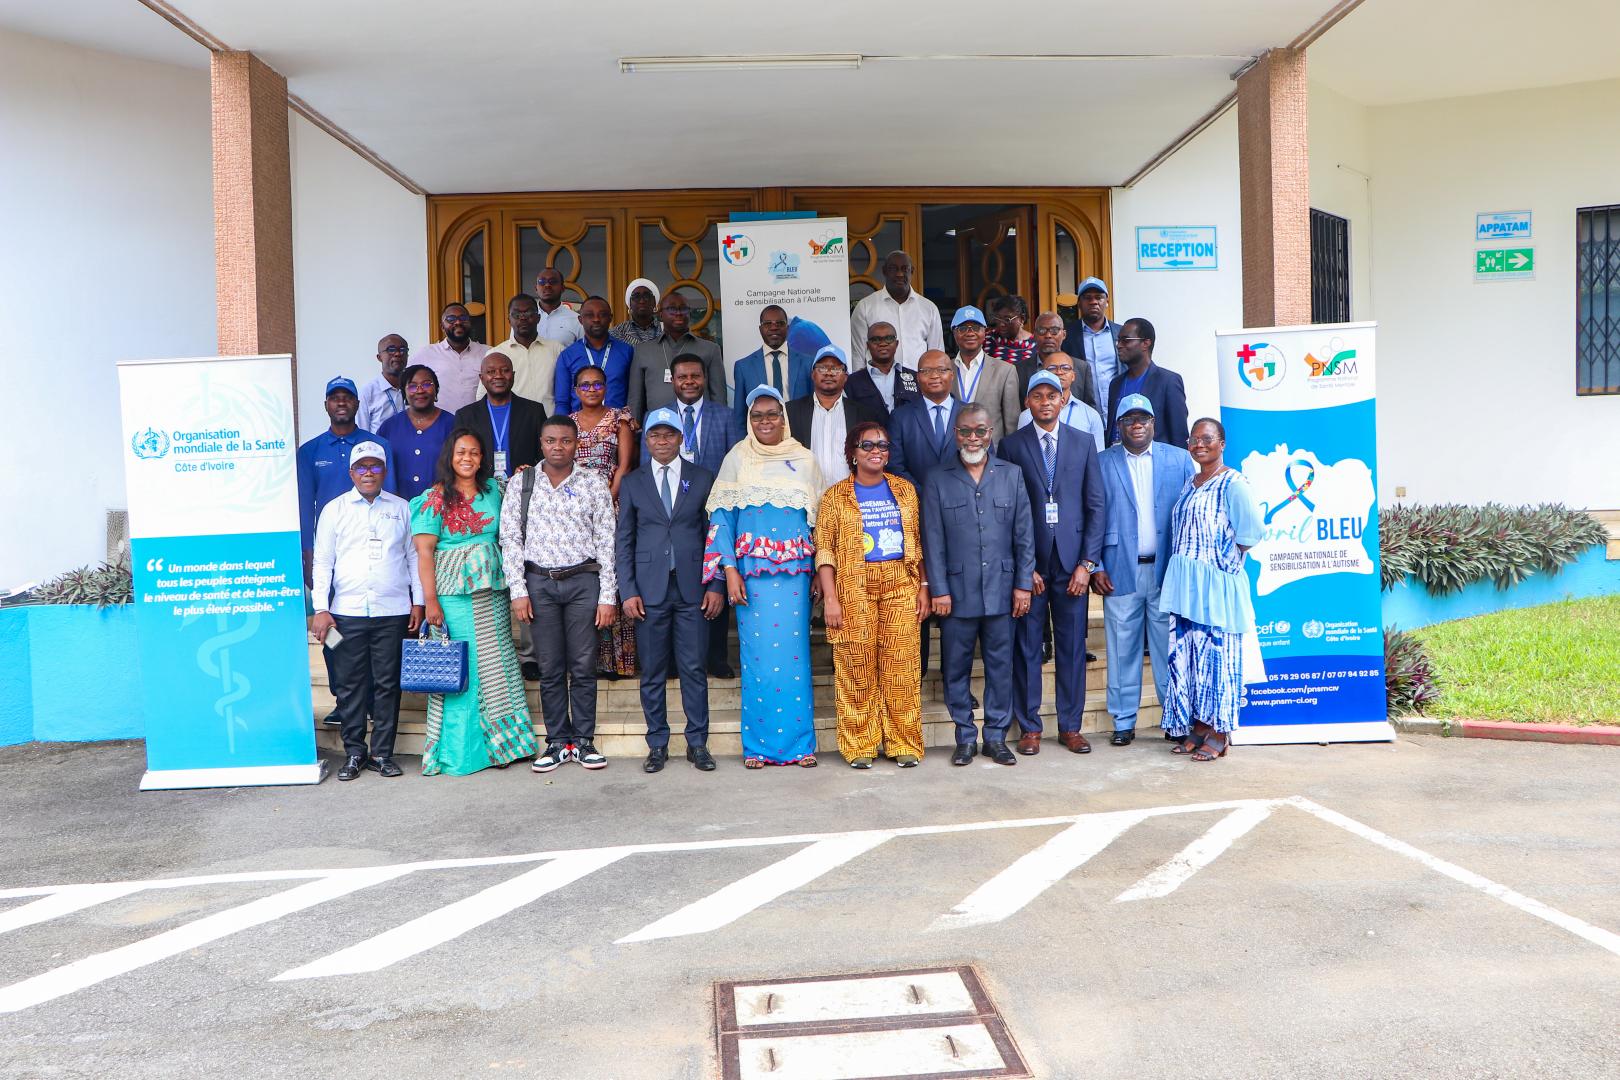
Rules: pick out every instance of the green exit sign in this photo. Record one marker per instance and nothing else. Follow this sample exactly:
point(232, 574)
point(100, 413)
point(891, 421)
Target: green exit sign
point(1505, 264)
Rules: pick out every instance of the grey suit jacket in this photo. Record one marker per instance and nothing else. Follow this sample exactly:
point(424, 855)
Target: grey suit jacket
point(649, 385)
point(978, 539)
point(997, 391)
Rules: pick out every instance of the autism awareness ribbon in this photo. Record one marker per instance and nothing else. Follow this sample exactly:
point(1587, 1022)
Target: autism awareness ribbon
point(1297, 491)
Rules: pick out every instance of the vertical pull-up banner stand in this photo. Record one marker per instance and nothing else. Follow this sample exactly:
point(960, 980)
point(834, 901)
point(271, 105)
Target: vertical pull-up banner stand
point(1299, 407)
point(209, 456)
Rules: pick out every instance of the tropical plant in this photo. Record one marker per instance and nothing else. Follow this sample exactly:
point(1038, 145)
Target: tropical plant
point(1448, 546)
point(1409, 680)
point(105, 585)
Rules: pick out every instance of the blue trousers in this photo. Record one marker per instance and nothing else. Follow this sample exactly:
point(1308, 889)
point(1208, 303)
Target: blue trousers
point(1068, 653)
point(674, 628)
point(1125, 619)
point(994, 636)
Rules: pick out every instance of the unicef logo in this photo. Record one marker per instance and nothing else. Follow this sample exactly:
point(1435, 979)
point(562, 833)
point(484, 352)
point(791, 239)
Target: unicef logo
point(738, 248)
point(1262, 365)
point(1313, 629)
point(149, 444)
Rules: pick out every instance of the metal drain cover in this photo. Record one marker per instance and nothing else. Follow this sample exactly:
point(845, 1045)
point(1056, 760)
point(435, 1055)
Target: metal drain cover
point(878, 1025)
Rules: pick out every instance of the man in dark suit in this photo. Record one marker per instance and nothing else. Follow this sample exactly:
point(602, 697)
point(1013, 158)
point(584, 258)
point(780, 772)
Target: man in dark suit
point(1140, 375)
point(658, 550)
point(920, 430)
point(822, 419)
point(509, 425)
point(979, 554)
point(772, 364)
point(1093, 339)
point(883, 385)
point(1065, 489)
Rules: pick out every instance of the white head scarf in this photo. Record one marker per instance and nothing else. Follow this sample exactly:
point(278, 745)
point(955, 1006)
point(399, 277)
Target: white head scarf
point(639, 283)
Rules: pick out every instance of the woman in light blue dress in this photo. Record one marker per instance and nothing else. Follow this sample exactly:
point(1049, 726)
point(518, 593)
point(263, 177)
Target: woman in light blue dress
point(762, 516)
point(1206, 592)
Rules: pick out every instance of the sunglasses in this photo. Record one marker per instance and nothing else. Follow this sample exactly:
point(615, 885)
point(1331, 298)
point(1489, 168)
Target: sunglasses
point(973, 432)
point(866, 446)
point(366, 470)
point(590, 386)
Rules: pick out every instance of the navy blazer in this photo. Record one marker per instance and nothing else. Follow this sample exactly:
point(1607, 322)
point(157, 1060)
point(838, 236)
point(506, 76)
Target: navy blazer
point(978, 539)
point(1168, 395)
point(861, 388)
point(913, 450)
point(1078, 534)
point(1172, 468)
point(801, 417)
point(718, 432)
point(523, 429)
point(750, 372)
point(646, 535)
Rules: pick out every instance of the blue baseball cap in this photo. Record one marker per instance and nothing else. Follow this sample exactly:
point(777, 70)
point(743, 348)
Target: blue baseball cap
point(1133, 403)
point(1044, 378)
point(833, 351)
point(1092, 283)
point(662, 418)
point(967, 314)
point(341, 383)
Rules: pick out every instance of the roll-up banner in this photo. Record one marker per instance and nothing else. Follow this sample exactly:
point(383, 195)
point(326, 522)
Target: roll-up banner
point(209, 456)
point(800, 264)
point(1299, 406)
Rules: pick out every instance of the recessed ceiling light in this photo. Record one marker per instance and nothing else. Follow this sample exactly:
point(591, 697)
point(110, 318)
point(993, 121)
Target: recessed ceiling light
point(631, 64)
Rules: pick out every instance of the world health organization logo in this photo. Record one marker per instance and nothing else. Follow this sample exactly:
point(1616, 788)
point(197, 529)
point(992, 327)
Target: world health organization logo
point(738, 248)
point(149, 444)
point(1313, 629)
point(1261, 365)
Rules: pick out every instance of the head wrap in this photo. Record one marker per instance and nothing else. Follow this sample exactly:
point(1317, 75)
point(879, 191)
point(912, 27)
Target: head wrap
point(754, 474)
point(639, 283)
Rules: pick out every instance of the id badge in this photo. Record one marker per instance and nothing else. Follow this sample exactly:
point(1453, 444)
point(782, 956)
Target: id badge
point(374, 548)
point(500, 462)
point(1051, 513)
point(669, 376)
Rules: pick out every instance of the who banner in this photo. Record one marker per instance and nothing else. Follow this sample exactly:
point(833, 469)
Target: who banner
point(209, 456)
point(799, 264)
point(1300, 413)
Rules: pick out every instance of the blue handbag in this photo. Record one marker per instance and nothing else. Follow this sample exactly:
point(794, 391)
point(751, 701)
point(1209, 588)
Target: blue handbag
point(435, 665)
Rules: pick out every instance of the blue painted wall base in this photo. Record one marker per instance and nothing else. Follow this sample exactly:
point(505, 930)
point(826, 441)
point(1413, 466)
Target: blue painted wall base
point(1409, 606)
point(72, 674)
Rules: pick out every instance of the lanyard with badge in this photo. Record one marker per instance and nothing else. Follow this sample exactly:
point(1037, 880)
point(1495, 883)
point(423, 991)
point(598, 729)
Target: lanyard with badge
point(1051, 478)
point(500, 433)
point(974, 386)
point(595, 363)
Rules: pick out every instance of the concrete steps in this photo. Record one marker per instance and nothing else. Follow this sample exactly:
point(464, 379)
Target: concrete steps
point(1610, 519)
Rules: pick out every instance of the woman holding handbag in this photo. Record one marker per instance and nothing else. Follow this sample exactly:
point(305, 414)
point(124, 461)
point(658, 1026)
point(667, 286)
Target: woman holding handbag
point(456, 525)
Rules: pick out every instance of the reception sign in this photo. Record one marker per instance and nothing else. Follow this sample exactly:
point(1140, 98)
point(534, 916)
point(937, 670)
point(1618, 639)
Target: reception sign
point(209, 452)
point(799, 264)
point(1299, 408)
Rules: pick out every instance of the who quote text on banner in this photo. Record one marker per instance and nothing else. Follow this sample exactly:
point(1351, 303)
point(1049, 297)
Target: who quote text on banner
point(209, 458)
point(1299, 406)
point(799, 264)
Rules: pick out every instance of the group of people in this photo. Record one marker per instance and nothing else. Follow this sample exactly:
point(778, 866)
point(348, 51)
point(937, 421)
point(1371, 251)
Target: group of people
point(492, 495)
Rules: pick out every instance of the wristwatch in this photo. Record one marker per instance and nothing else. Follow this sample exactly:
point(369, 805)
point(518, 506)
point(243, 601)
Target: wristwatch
point(1088, 566)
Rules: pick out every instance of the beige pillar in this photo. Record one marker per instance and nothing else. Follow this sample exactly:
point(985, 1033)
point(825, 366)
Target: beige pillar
point(253, 265)
point(1274, 168)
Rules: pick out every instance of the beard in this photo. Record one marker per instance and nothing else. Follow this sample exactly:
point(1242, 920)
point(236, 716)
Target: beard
point(973, 457)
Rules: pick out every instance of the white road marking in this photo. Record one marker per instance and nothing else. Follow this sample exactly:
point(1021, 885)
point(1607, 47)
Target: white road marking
point(451, 921)
point(731, 903)
point(1196, 855)
point(72, 899)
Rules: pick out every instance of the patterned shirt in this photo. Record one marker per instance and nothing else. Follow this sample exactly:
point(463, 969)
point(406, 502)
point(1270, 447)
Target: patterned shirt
point(1010, 349)
point(568, 524)
point(633, 335)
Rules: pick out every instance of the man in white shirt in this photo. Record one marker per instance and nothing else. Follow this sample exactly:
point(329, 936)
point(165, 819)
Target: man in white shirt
point(981, 378)
point(533, 355)
point(822, 419)
point(383, 396)
point(913, 315)
point(367, 588)
point(456, 360)
point(558, 321)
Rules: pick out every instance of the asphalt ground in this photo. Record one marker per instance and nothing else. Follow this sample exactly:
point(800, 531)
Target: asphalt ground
point(1301, 950)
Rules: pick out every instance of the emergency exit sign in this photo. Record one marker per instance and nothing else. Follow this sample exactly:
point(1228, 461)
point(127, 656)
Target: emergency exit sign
point(1504, 264)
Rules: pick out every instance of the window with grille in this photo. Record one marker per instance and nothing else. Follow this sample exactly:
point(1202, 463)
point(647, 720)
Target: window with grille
point(1330, 268)
point(1597, 300)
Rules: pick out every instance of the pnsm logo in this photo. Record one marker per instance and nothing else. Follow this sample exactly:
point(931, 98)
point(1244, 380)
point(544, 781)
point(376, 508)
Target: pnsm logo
point(738, 248)
point(784, 265)
point(1341, 364)
point(149, 445)
point(1313, 629)
point(1262, 365)
point(827, 244)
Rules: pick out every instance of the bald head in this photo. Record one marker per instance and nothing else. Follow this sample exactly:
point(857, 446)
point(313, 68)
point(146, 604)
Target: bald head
point(935, 375)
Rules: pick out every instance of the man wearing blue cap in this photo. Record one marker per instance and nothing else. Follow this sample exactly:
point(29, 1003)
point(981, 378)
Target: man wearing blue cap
point(658, 548)
point(772, 364)
point(1093, 338)
point(1142, 480)
point(821, 419)
point(980, 377)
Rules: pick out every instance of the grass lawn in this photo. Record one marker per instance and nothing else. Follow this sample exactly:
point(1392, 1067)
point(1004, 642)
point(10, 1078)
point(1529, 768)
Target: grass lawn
point(1558, 663)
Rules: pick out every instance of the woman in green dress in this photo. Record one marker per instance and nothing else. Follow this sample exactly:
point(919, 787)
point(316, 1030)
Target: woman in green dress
point(456, 524)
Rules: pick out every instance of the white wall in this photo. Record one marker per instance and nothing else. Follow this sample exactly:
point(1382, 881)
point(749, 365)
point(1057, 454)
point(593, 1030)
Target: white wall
point(1476, 382)
point(106, 209)
point(360, 266)
point(1341, 182)
point(1197, 186)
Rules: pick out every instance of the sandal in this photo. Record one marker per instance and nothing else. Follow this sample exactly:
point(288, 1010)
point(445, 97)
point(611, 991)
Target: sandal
point(753, 763)
point(1207, 751)
point(1188, 744)
point(906, 761)
point(808, 762)
point(861, 763)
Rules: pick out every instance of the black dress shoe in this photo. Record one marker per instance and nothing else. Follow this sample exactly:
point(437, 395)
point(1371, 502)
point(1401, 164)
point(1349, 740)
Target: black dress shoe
point(998, 753)
point(331, 720)
point(722, 671)
point(655, 759)
point(385, 766)
point(700, 758)
point(531, 671)
point(352, 767)
point(964, 754)
point(1091, 657)
point(1123, 738)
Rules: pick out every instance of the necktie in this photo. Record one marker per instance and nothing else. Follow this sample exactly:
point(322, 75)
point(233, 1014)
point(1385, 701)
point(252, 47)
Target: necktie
point(1050, 453)
point(688, 433)
point(669, 504)
point(939, 423)
point(776, 371)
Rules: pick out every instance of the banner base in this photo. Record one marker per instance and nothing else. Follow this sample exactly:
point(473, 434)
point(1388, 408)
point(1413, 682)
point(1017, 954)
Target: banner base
point(248, 776)
point(1278, 734)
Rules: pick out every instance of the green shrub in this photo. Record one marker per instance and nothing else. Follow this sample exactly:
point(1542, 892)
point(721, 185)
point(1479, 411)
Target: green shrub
point(1409, 680)
point(104, 585)
point(1449, 546)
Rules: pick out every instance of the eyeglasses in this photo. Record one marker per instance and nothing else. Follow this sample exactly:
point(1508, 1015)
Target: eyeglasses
point(882, 339)
point(458, 318)
point(1123, 337)
point(968, 328)
point(866, 446)
point(765, 417)
point(367, 470)
point(590, 386)
point(973, 432)
point(1048, 331)
point(1135, 420)
point(1060, 369)
point(1203, 440)
point(933, 371)
point(397, 350)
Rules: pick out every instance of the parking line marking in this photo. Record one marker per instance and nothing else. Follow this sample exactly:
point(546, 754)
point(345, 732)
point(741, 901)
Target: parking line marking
point(1196, 855)
point(64, 902)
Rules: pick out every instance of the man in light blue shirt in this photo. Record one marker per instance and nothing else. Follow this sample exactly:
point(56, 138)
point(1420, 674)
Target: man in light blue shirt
point(1094, 336)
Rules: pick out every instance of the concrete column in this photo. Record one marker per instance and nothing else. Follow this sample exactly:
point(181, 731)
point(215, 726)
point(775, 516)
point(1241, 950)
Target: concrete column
point(253, 257)
point(1275, 190)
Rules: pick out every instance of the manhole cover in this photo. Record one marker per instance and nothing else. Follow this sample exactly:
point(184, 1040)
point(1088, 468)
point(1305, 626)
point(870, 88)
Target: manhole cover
point(875, 1025)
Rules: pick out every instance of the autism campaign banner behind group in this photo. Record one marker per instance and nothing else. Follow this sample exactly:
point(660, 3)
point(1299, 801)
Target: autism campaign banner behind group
point(1299, 408)
point(800, 264)
point(209, 455)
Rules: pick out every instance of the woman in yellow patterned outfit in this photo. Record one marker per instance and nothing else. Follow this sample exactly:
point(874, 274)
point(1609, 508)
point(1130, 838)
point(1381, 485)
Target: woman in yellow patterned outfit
point(869, 559)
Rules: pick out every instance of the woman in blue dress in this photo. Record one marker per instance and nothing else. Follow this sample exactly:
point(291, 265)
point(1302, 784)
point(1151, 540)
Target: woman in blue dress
point(1206, 592)
point(417, 435)
point(762, 516)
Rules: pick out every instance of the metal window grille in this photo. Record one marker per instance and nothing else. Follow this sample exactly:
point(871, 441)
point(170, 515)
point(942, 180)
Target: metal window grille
point(1330, 268)
point(1597, 300)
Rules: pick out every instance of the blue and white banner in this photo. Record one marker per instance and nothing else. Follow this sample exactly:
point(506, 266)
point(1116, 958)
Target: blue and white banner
point(1299, 405)
point(209, 457)
point(800, 264)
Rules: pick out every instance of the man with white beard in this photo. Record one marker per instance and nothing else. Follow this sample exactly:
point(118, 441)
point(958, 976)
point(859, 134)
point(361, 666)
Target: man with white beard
point(979, 553)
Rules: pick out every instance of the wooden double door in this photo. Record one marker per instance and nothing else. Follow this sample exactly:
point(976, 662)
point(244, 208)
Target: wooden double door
point(969, 245)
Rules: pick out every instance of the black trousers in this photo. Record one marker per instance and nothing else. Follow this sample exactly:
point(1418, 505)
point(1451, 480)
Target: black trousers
point(676, 628)
point(565, 640)
point(365, 680)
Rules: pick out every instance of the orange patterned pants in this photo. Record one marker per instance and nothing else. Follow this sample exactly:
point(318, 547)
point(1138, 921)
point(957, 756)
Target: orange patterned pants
point(878, 683)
